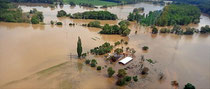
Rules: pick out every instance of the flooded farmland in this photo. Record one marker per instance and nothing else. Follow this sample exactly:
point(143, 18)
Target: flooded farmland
point(44, 56)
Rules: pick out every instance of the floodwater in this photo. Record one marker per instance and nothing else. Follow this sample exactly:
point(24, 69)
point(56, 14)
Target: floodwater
point(44, 56)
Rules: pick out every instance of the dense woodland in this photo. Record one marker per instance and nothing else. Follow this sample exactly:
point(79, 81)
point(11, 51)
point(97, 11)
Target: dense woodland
point(204, 5)
point(171, 15)
point(99, 15)
point(10, 13)
point(179, 14)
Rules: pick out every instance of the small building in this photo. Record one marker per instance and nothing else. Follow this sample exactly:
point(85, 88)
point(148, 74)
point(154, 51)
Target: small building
point(126, 60)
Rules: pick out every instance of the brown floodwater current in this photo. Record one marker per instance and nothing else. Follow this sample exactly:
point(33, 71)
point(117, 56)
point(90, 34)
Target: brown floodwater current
point(44, 56)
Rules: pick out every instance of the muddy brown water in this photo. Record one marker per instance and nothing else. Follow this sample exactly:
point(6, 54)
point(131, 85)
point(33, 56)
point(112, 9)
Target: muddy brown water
point(44, 56)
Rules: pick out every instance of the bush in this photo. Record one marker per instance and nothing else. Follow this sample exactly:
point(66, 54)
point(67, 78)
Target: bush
point(164, 30)
point(117, 43)
point(110, 71)
point(189, 86)
point(94, 24)
point(61, 13)
point(87, 61)
point(118, 50)
point(84, 55)
point(120, 82)
point(145, 48)
point(126, 43)
point(70, 24)
point(145, 70)
point(93, 63)
point(150, 61)
point(124, 22)
point(51, 22)
point(121, 73)
point(189, 31)
point(205, 29)
point(98, 67)
point(154, 30)
point(135, 78)
point(127, 78)
point(59, 23)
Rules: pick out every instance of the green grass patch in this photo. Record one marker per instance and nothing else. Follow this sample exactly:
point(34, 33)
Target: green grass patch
point(94, 2)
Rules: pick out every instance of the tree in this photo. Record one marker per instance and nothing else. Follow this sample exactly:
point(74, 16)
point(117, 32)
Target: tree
point(124, 22)
point(72, 4)
point(189, 86)
point(110, 71)
point(135, 78)
point(98, 67)
point(118, 50)
point(121, 73)
point(120, 82)
point(154, 30)
point(93, 63)
point(59, 23)
point(34, 20)
point(94, 24)
point(61, 13)
point(127, 78)
point(79, 47)
point(145, 48)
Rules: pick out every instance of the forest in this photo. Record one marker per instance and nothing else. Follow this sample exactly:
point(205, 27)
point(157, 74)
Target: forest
point(99, 15)
point(171, 15)
point(203, 5)
point(179, 14)
point(10, 13)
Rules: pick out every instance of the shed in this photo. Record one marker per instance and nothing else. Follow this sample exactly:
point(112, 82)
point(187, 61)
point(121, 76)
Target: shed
point(126, 60)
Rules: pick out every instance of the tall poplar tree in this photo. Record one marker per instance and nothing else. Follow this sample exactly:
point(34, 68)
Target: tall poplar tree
point(79, 47)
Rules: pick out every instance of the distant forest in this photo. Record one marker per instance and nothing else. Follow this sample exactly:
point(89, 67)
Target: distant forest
point(203, 5)
point(37, 1)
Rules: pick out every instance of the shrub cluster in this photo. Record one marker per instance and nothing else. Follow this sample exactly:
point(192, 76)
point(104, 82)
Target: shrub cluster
point(110, 71)
point(94, 24)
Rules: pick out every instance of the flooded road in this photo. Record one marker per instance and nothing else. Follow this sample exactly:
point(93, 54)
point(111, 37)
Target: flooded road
point(44, 56)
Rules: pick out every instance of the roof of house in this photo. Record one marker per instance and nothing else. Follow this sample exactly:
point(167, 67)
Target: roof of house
point(126, 60)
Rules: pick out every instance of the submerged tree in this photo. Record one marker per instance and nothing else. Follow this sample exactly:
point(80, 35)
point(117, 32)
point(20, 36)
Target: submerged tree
point(189, 86)
point(79, 47)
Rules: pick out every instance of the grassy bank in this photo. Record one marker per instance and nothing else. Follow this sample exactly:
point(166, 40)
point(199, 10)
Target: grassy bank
point(94, 2)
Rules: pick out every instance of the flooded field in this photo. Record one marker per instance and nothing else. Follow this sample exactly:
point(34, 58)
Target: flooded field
point(44, 56)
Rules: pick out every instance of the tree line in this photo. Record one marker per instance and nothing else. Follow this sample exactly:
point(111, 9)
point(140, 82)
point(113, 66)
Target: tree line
point(99, 15)
point(37, 1)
